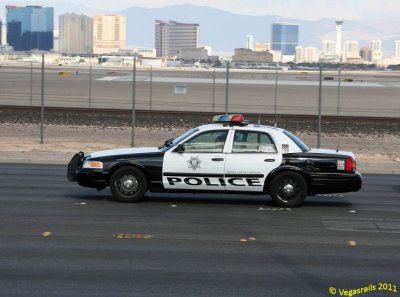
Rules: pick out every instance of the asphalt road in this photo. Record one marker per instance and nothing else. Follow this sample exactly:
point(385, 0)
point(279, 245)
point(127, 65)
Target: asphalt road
point(189, 245)
point(250, 91)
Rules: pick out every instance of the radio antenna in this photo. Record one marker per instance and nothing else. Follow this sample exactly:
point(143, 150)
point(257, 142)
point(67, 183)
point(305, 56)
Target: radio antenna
point(276, 120)
point(338, 143)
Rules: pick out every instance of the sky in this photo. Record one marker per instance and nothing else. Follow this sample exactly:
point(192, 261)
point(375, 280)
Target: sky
point(302, 9)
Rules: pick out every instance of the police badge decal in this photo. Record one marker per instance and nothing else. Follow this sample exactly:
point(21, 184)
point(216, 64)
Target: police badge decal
point(194, 162)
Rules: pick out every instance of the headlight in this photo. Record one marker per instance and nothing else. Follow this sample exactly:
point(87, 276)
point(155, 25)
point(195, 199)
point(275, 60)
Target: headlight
point(93, 164)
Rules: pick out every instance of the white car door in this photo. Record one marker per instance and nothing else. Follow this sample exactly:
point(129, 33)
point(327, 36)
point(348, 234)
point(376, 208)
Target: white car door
point(252, 155)
point(198, 163)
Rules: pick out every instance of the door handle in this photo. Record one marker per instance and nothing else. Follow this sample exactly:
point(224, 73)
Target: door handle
point(217, 159)
point(269, 160)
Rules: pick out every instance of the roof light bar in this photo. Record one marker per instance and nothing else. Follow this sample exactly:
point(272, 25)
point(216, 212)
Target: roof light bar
point(230, 119)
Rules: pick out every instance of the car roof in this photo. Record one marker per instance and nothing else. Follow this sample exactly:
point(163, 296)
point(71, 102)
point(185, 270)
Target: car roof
point(253, 127)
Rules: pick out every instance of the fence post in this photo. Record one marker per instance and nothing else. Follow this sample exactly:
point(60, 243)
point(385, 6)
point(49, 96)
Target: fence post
point(42, 102)
point(338, 98)
point(133, 99)
point(151, 86)
point(276, 89)
point(319, 106)
point(213, 95)
point(31, 88)
point(90, 83)
point(227, 88)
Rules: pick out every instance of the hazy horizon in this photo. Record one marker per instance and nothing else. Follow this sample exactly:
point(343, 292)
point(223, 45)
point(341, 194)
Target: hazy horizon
point(306, 10)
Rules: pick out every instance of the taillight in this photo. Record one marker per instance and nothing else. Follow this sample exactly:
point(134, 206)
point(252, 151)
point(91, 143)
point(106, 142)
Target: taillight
point(350, 164)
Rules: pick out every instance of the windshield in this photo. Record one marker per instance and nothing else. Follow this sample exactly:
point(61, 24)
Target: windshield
point(297, 141)
point(180, 138)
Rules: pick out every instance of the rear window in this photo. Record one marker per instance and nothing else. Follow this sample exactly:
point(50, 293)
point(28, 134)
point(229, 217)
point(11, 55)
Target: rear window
point(297, 141)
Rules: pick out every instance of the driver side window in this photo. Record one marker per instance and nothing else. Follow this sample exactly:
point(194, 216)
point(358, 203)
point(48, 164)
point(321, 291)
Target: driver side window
point(208, 142)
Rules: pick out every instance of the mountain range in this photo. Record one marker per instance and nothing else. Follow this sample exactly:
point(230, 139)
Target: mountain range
point(224, 31)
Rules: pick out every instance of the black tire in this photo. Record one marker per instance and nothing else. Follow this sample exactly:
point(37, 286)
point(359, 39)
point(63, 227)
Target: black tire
point(128, 184)
point(288, 189)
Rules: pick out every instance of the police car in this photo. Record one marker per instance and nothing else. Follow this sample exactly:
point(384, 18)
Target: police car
point(228, 156)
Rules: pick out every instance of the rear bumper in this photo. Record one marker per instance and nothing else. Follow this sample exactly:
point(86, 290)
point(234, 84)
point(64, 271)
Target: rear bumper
point(335, 183)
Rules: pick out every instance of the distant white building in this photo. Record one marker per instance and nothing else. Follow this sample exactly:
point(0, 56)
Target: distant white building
point(376, 51)
point(397, 49)
point(143, 52)
point(351, 50)
point(328, 46)
point(250, 42)
point(306, 55)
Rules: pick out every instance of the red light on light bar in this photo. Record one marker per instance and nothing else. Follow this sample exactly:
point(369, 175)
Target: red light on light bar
point(238, 118)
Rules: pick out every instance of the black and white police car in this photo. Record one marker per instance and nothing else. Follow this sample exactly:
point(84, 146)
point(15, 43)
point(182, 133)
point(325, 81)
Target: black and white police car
point(227, 156)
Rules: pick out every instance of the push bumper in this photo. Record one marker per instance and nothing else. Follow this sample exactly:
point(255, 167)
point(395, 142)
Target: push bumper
point(86, 177)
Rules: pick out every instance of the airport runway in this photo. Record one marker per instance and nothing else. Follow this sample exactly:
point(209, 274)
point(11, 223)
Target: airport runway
point(189, 245)
point(251, 91)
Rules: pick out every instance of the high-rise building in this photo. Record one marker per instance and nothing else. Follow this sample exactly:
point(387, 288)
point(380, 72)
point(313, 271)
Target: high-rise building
point(397, 48)
point(285, 37)
point(172, 36)
point(30, 27)
point(1, 32)
point(250, 42)
point(339, 24)
point(328, 47)
point(76, 34)
point(109, 33)
point(306, 55)
point(351, 50)
point(366, 54)
point(376, 45)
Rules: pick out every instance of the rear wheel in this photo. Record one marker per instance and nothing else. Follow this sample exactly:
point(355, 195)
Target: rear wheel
point(128, 184)
point(288, 189)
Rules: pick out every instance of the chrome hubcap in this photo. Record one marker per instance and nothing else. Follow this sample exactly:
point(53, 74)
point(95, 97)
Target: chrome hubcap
point(288, 189)
point(127, 185)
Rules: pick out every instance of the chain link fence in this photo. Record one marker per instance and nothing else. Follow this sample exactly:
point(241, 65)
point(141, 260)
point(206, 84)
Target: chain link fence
point(259, 91)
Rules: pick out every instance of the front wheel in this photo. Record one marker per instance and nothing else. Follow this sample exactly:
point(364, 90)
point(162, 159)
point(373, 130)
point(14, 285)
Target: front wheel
point(128, 184)
point(288, 189)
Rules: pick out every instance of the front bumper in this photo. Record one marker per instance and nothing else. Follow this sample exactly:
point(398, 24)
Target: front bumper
point(335, 183)
point(86, 177)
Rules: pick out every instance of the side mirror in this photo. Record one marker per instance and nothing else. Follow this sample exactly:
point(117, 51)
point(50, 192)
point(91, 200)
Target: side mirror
point(180, 148)
point(168, 142)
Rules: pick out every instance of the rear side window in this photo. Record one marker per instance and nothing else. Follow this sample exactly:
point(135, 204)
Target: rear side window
point(297, 141)
point(253, 142)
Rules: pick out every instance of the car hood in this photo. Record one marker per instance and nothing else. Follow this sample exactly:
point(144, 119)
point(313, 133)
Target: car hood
point(124, 151)
point(331, 152)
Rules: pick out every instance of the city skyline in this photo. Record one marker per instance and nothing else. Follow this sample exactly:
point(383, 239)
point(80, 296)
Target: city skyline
point(375, 38)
